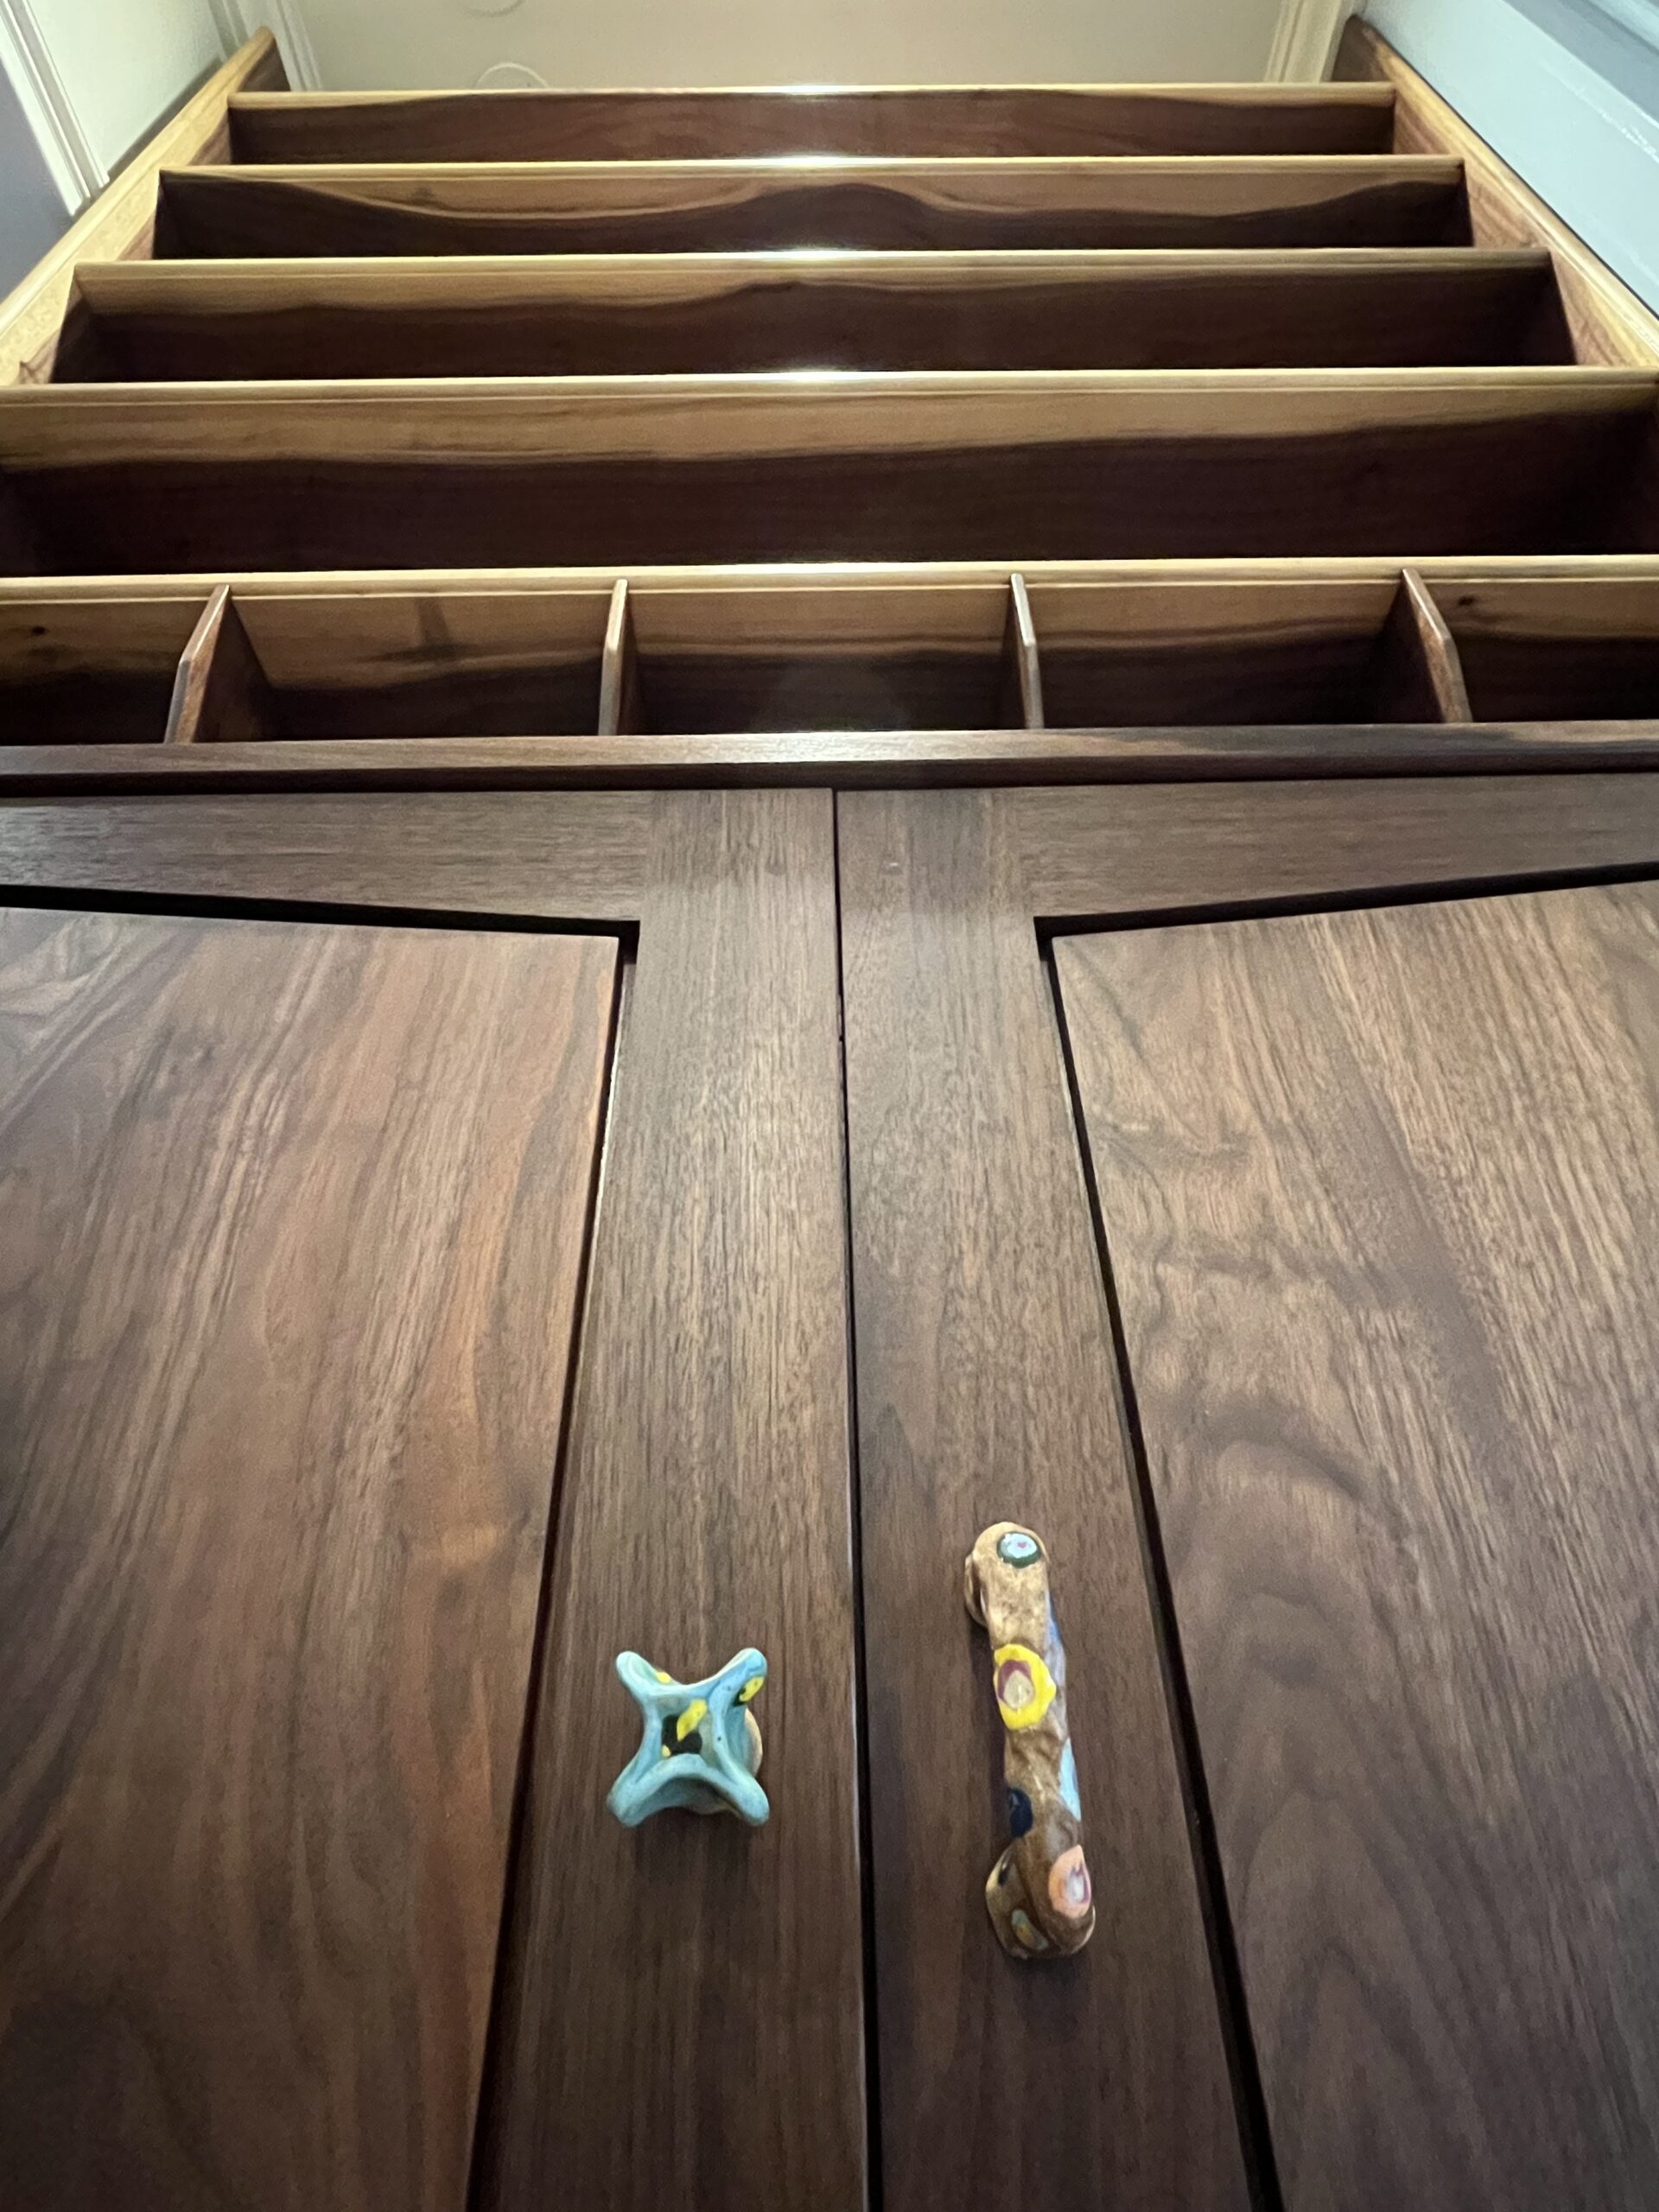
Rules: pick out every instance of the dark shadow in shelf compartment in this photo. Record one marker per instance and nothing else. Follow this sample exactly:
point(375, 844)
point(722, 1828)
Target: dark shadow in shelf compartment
point(694, 471)
point(727, 206)
point(1142, 656)
point(675, 313)
point(90, 672)
point(1535, 650)
point(475, 664)
point(728, 661)
point(375, 665)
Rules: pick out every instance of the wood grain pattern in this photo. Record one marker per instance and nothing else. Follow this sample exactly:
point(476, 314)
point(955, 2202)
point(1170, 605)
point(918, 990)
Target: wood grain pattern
point(90, 671)
point(719, 1365)
point(1144, 647)
point(120, 221)
point(936, 119)
point(1379, 1194)
point(1015, 465)
point(220, 694)
point(1022, 661)
point(1256, 649)
point(838, 581)
point(1437, 649)
point(282, 1349)
point(683, 2020)
point(1608, 322)
point(1109, 855)
point(356, 207)
point(577, 857)
point(597, 315)
point(619, 706)
point(987, 1388)
point(836, 760)
point(1587, 652)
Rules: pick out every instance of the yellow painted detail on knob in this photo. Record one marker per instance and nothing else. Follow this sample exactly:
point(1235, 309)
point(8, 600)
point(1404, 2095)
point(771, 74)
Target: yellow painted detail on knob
point(1025, 1688)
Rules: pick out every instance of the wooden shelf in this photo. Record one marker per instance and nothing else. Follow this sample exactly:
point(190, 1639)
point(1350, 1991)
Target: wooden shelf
point(935, 119)
point(684, 313)
point(1318, 652)
point(631, 470)
point(1016, 202)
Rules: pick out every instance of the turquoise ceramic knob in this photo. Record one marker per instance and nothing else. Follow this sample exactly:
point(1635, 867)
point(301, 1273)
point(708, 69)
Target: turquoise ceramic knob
point(700, 1746)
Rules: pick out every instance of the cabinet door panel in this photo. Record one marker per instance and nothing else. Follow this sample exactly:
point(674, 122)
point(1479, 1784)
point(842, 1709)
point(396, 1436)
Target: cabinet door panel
point(679, 2012)
point(987, 1390)
point(1378, 1189)
point(291, 1222)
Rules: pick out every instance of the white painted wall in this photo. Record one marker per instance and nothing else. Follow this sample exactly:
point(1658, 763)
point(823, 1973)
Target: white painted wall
point(1568, 91)
point(419, 43)
point(124, 63)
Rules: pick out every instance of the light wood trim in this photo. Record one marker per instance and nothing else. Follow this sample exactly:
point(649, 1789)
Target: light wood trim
point(1439, 648)
point(1500, 572)
point(619, 679)
point(119, 221)
point(1228, 92)
point(129, 291)
point(709, 417)
point(1023, 659)
point(220, 694)
point(1608, 322)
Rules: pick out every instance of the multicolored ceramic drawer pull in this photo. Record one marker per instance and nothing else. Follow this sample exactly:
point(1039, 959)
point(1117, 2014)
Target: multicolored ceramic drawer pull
point(700, 1745)
point(1039, 1896)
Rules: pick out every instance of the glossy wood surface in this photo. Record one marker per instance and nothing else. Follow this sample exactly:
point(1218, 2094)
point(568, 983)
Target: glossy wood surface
point(1106, 855)
point(1041, 464)
point(987, 1390)
point(936, 119)
point(220, 695)
point(582, 856)
point(835, 759)
point(682, 2016)
point(95, 670)
point(356, 207)
point(282, 1351)
point(1379, 1190)
point(596, 315)
point(962, 1234)
point(122, 220)
point(1594, 652)
point(713, 1370)
point(1128, 654)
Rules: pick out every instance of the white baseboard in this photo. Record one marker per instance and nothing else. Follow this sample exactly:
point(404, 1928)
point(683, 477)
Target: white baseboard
point(1304, 40)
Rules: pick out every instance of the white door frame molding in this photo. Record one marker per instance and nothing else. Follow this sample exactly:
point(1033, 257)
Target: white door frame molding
point(285, 19)
point(1304, 40)
point(27, 58)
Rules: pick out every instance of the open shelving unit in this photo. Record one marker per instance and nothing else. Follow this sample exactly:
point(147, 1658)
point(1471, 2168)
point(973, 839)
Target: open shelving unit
point(1016, 431)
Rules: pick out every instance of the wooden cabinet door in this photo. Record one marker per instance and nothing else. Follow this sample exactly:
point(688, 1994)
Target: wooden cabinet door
point(1380, 1190)
point(292, 1217)
point(303, 1803)
point(1356, 1568)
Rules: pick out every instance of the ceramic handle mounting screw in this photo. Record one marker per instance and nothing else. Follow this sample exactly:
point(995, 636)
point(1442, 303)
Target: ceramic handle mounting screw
point(1039, 1896)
